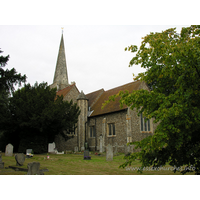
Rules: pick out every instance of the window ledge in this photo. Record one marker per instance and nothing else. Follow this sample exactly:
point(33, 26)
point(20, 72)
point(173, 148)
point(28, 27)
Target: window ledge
point(71, 135)
point(146, 132)
point(111, 135)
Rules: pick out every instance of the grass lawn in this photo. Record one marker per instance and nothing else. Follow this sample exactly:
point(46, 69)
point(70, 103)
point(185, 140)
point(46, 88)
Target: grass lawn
point(73, 164)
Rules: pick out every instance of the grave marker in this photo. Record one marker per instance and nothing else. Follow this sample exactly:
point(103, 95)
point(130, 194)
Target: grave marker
point(29, 153)
point(9, 150)
point(1, 163)
point(101, 144)
point(128, 149)
point(51, 147)
point(109, 153)
point(87, 155)
point(75, 149)
point(20, 158)
point(33, 168)
point(115, 149)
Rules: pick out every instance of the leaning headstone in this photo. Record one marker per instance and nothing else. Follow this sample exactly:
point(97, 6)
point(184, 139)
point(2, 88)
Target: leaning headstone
point(1, 163)
point(109, 153)
point(33, 168)
point(87, 155)
point(20, 158)
point(9, 150)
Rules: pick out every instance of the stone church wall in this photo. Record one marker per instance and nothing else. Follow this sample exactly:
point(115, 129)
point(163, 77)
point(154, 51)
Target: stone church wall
point(119, 119)
point(63, 145)
point(72, 95)
point(123, 133)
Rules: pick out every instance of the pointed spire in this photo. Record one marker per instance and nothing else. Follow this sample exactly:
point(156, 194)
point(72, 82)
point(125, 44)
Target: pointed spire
point(60, 76)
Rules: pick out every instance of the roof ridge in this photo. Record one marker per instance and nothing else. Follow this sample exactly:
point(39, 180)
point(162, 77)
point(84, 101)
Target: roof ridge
point(122, 85)
point(112, 106)
point(66, 87)
point(95, 91)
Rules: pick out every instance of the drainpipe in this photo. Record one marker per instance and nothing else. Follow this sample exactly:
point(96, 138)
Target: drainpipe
point(85, 131)
point(95, 148)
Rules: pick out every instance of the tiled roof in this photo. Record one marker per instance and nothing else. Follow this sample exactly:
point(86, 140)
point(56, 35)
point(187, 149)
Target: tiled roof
point(65, 91)
point(113, 106)
point(93, 97)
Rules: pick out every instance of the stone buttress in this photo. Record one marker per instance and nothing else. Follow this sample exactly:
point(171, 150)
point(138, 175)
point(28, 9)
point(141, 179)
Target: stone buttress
point(82, 102)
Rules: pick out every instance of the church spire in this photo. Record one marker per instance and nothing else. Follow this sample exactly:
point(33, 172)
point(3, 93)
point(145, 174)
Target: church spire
point(60, 76)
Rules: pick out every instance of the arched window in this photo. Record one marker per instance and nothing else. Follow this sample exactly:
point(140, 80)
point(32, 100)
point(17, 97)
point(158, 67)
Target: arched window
point(145, 123)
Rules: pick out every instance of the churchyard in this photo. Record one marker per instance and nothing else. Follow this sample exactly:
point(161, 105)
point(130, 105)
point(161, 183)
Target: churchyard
point(75, 164)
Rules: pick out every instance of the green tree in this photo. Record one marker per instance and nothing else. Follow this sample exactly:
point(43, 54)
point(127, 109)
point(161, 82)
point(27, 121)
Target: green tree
point(37, 115)
point(8, 78)
point(172, 63)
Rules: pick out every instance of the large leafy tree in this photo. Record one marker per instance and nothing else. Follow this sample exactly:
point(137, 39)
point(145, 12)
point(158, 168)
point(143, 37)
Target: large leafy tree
point(37, 115)
point(172, 63)
point(8, 79)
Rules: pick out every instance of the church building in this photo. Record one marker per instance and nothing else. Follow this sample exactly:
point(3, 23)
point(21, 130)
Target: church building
point(98, 127)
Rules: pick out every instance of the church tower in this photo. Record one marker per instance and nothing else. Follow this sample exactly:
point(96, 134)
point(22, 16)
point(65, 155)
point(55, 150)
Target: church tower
point(60, 80)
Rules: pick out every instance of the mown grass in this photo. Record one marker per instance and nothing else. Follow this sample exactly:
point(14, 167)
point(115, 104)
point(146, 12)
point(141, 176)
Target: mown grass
point(73, 164)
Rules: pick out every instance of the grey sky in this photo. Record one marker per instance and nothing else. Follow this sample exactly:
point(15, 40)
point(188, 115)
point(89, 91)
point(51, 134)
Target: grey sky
point(95, 54)
point(95, 59)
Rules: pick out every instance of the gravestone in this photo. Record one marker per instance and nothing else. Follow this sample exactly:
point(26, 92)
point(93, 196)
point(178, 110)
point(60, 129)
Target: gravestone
point(101, 144)
point(29, 153)
point(87, 155)
point(9, 150)
point(128, 149)
point(109, 153)
point(86, 145)
point(82, 148)
point(33, 168)
point(115, 149)
point(75, 149)
point(1, 163)
point(60, 152)
point(20, 158)
point(51, 147)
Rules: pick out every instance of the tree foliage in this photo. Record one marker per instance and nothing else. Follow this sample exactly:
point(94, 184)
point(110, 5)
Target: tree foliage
point(172, 63)
point(9, 78)
point(37, 115)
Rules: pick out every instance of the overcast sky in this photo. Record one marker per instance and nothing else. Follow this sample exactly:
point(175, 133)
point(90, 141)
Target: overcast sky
point(95, 54)
point(95, 59)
